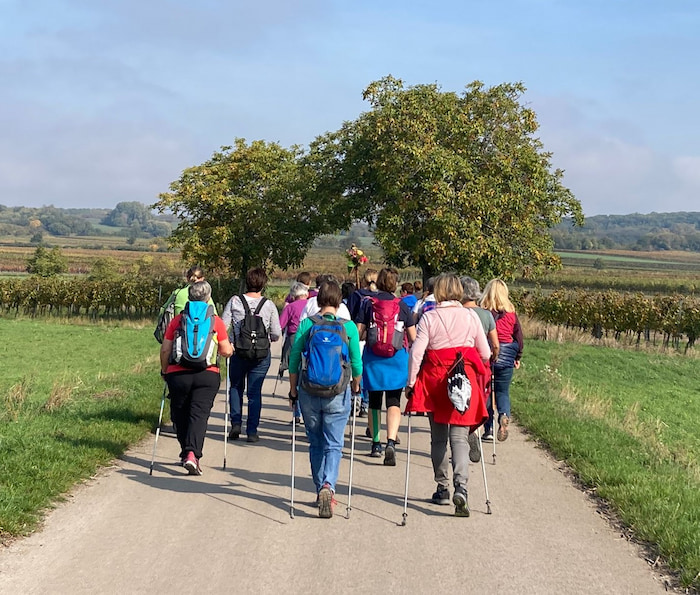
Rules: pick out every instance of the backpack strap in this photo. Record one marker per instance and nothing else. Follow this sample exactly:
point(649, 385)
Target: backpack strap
point(244, 302)
point(260, 305)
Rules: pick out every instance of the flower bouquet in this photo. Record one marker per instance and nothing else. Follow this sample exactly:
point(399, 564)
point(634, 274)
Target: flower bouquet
point(355, 257)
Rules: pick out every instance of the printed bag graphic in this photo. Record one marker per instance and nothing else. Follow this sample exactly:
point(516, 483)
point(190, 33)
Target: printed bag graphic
point(459, 389)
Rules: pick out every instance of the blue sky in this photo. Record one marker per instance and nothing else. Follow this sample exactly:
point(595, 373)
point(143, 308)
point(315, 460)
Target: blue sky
point(103, 101)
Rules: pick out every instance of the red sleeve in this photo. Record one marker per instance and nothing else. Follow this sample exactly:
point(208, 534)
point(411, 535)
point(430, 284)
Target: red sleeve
point(172, 327)
point(220, 329)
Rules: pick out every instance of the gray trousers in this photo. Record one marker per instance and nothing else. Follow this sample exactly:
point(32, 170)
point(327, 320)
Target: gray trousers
point(439, 434)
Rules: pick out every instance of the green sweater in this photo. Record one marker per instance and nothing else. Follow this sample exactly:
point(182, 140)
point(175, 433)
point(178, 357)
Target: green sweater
point(302, 335)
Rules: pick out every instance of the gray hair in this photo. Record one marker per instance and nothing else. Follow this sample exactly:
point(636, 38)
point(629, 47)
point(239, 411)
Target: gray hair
point(298, 290)
point(200, 291)
point(472, 291)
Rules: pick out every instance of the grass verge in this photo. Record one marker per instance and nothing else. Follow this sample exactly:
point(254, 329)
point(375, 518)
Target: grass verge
point(627, 424)
point(72, 398)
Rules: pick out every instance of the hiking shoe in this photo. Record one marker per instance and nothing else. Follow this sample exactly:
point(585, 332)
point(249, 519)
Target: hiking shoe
point(376, 450)
point(390, 456)
point(235, 432)
point(252, 438)
point(460, 502)
point(326, 502)
point(474, 450)
point(487, 437)
point(192, 464)
point(503, 422)
point(441, 496)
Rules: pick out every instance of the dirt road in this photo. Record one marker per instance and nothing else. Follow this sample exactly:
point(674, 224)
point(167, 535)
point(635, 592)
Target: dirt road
point(128, 532)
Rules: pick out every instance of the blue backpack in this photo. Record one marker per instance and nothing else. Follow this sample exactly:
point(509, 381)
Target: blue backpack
point(194, 346)
point(325, 369)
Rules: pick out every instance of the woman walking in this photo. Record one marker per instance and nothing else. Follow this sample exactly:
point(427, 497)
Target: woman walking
point(383, 317)
point(249, 370)
point(192, 391)
point(325, 418)
point(510, 337)
point(289, 322)
point(443, 334)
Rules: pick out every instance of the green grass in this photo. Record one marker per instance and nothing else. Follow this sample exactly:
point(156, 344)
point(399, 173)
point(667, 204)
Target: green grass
point(627, 424)
point(72, 399)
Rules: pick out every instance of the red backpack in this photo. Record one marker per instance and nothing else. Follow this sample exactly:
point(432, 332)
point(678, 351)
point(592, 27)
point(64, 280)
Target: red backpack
point(385, 334)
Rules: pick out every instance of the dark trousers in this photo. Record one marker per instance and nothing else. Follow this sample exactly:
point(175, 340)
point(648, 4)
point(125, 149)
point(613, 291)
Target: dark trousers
point(192, 396)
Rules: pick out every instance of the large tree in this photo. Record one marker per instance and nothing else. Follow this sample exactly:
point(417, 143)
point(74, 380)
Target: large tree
point(452, 181)
point(256, 204)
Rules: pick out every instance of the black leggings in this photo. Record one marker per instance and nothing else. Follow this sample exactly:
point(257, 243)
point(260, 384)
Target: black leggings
point(191, 398)
point(393, 398)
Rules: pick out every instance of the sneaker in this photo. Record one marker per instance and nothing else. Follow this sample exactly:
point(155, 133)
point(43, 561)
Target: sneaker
point(326, 502)
point(487, 437)
point(460, 502)
point(235, 432)
point(252, 438)
point(474, 450)
point(441, 496)
point(390, 456)
point(376, 450)
point(363, 411)
point(397, 441)
point(192, 464)
point(368, 433)
point(503, 422)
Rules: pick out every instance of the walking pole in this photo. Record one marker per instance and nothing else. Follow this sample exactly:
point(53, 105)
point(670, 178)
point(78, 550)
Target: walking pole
point(294, 440)
point(408, 460)
point(160, 420)
point(495, 417)
point(226, 413)
point(352, 453)
point(274, 390)
point(483, 471)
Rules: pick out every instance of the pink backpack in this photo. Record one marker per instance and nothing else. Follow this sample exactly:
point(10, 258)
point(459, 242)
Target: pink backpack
point(385, 334)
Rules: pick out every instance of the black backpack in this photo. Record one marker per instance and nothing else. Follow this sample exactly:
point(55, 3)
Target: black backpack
point(252, 341)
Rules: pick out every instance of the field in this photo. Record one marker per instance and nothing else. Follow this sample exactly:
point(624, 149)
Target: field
point(73, 398)
point(627, 424)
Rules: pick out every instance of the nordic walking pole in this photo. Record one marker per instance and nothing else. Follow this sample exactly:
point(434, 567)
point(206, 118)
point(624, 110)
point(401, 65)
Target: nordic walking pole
point(294, 440)
point(274, 390)
point(408, 466)
point(495, 416)
point(483, 471)
point(160, 420)
point(352, 453)
point(226, 413)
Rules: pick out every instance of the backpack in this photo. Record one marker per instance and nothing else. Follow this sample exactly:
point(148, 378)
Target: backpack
point(194, 346)
point(165, 316)
point(459, 389)
point(325, 368)
point(385, 334)
point(252, 341)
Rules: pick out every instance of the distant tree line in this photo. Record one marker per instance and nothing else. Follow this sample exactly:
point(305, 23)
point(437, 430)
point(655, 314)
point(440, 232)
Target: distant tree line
point(129, 219)
point(653, 231)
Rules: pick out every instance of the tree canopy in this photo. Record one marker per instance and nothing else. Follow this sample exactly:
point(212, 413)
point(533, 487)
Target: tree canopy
point(454, 181)
point(256, 204)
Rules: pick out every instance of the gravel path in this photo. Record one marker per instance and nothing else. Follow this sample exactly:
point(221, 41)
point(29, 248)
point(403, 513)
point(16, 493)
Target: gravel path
point(128, 532)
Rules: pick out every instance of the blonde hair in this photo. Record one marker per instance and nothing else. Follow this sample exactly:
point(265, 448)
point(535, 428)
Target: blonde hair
point(447, 287)
point(369, 279)
point(495, 297)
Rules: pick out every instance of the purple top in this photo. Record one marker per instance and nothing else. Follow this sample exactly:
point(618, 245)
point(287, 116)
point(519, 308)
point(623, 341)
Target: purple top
point(289, 319)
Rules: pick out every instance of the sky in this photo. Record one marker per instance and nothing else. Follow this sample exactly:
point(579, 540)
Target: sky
point(103, 101)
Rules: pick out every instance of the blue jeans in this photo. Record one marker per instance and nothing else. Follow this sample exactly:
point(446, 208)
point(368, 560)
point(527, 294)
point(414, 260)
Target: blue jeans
point(325, 420)
point(254, 371)
point(502, 377)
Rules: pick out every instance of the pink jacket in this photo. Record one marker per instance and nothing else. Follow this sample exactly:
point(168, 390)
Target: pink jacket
point(448, 325)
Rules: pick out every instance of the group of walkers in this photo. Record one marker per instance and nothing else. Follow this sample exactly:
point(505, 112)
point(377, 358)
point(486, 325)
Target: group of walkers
point(447, 348)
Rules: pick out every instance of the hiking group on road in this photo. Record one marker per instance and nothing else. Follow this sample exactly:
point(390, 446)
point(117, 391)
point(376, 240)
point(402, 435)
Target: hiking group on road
point(349, 349)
